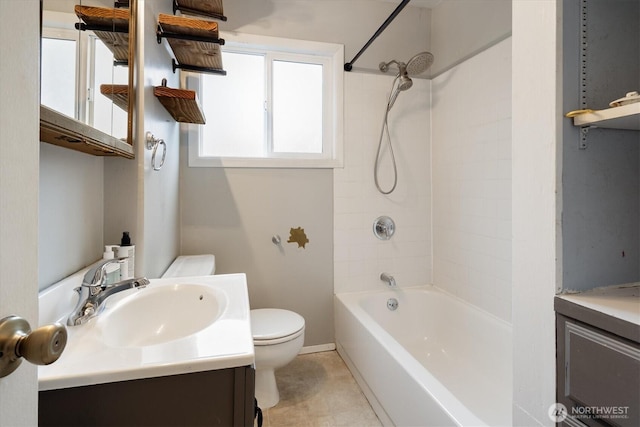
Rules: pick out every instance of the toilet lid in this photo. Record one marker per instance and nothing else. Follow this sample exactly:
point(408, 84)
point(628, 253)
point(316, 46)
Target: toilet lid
point(273, 323)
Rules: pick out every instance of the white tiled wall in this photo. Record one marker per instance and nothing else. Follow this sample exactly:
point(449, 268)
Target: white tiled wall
point(359, 256)
point(471, 149)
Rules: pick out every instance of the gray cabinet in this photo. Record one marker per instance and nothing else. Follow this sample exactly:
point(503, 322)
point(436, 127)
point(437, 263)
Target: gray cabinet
point(222, 397)
point(598, 366)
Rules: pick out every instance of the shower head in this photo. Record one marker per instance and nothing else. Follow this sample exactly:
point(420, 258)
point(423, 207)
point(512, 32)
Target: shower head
point(419, 63)
point(416, 65)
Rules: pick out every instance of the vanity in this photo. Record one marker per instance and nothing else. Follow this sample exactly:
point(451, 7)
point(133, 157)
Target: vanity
point(177, 352)
point(598, 356)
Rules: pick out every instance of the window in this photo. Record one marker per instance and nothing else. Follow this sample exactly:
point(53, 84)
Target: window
point(280, 105)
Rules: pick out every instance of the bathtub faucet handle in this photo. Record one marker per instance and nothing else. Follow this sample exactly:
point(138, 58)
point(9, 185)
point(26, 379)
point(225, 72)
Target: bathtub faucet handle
point(385, 277)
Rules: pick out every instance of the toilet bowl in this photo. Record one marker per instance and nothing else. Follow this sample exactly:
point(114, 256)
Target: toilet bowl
point(278, 335)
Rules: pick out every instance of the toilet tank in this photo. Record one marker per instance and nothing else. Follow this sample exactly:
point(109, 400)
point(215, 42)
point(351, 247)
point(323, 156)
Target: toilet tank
point(192, 265)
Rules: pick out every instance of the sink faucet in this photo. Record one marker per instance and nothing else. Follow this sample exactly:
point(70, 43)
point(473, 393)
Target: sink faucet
point(386, 277)
point(95, 290)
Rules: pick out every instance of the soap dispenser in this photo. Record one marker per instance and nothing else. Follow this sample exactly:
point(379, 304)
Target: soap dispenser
point(127, 250)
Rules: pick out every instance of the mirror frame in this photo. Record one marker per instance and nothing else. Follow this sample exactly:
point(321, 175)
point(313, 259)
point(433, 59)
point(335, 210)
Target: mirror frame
point(131, 113)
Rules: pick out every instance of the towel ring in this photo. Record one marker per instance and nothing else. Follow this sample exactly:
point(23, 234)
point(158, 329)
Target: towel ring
point(152, 144)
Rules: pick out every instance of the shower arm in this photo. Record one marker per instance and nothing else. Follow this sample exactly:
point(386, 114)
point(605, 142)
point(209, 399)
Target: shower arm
point(349, 65)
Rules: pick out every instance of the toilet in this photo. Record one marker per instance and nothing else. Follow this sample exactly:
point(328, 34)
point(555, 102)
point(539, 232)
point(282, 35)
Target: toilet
point(278, 334)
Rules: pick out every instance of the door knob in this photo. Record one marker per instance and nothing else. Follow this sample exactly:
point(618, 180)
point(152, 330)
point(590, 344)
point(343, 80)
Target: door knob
point(40, 347)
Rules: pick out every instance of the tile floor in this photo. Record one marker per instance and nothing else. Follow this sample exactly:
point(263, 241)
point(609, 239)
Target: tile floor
point(317, 389)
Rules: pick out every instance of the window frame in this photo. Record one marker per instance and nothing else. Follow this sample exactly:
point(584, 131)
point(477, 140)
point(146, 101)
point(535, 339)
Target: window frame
point(330, 55)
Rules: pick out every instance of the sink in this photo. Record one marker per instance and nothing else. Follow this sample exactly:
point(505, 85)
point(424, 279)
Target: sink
point(173, 326)
point(158, 315)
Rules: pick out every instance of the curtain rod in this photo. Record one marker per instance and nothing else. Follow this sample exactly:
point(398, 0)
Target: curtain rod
point(349, 65)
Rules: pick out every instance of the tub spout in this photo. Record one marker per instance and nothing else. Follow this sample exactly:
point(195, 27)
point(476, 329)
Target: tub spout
point(386, 277)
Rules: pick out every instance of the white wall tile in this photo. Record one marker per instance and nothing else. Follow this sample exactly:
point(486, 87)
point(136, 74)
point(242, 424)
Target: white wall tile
point(471, 157)
point(360, 257)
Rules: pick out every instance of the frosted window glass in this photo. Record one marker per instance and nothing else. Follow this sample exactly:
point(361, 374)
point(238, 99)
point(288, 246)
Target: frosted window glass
point(108, 117)
point(234, 108)
point(59, 75)
point(297, 107)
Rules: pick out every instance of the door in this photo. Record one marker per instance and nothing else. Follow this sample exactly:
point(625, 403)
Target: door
point(19, 151)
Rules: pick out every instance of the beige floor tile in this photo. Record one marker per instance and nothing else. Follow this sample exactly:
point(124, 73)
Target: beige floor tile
point(317, 389)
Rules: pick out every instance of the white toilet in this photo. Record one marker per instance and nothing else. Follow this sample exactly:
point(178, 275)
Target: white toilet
point(278, 335)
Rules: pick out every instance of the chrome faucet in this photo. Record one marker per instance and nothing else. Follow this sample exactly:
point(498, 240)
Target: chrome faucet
point(386, 277)
point(95, 290)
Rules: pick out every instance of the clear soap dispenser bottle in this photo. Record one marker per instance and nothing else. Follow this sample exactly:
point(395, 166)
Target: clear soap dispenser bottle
point(113, 269)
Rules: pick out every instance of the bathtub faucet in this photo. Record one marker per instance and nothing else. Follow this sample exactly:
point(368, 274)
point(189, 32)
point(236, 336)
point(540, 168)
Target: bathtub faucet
point(385, 277)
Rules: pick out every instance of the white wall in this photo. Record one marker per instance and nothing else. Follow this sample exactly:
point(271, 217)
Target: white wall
point(19, 116)
point(462, 28)
point(536, 140)
point(359, 257)
point(471, 158)
point(161, 207)
point(234, 213)
point(71, 212)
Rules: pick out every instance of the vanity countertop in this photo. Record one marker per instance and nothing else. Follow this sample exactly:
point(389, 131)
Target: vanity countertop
point(88, 359)
point(617, 305)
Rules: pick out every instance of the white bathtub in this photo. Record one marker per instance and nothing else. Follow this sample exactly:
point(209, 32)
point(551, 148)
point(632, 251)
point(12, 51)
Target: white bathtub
point(434, 361)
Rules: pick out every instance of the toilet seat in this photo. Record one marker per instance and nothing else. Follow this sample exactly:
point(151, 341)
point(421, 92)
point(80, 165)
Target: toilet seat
point(271, 326)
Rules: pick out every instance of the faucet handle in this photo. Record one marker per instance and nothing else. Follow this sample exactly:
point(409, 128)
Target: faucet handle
point(97, 275)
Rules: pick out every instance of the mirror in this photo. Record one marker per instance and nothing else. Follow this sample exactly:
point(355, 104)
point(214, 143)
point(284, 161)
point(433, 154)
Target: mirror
point(86, 49)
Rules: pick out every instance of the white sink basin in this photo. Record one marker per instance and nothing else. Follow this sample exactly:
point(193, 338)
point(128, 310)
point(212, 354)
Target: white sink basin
point(173, 326)
point(157, 315)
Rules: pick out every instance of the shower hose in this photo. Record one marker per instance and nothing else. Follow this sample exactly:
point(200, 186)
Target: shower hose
point(385, 131)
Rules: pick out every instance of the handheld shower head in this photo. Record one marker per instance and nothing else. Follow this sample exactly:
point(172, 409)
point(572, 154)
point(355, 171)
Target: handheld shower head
point(404, 82)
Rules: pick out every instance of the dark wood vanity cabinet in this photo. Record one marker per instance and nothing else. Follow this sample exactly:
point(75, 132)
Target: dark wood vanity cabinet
point(222, 397)
point(598, 367)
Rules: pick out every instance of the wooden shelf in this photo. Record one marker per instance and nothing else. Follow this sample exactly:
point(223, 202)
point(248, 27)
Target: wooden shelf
point(210, 8)
point(110, 25)
point(182, 104)
point(623, 117)
point(61, 130)
point(119, 94)
point(194, 42)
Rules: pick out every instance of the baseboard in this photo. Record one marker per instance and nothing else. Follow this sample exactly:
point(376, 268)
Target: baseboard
point(318, 348)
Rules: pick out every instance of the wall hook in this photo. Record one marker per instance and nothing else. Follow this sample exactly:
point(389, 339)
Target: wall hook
point(152, 145)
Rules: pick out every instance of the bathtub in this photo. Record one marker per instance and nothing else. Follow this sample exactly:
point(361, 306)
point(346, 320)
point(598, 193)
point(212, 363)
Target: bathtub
point(434, 361)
